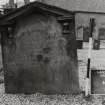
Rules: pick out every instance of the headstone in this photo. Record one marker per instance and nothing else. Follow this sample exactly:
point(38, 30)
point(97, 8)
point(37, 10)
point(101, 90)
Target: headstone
point(96, 45)
point(79, 44)
point(39, 58)
point(97, 81)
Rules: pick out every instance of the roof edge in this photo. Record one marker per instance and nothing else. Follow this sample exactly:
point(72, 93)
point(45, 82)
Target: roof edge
point(91, 12)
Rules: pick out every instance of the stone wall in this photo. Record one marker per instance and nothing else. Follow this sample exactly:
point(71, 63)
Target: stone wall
point(39, 58)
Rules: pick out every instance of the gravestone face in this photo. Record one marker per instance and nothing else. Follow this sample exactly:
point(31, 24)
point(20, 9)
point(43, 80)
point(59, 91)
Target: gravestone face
point(40, 58)
point(98, 82)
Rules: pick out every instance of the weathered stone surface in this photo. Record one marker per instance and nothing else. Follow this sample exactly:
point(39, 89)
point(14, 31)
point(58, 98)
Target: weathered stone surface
point(40, 58)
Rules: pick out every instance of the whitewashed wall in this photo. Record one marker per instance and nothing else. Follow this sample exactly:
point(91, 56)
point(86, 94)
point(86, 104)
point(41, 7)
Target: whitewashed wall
point(83, 19)
point(80, 5)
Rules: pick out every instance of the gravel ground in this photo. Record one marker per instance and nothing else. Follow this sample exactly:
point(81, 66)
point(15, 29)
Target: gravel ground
point(40, 99)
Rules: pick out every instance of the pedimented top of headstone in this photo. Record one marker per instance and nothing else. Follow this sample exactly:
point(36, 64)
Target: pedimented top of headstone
point(35, 6)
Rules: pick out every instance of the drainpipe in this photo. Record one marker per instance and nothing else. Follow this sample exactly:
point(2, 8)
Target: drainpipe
point(88, 84)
